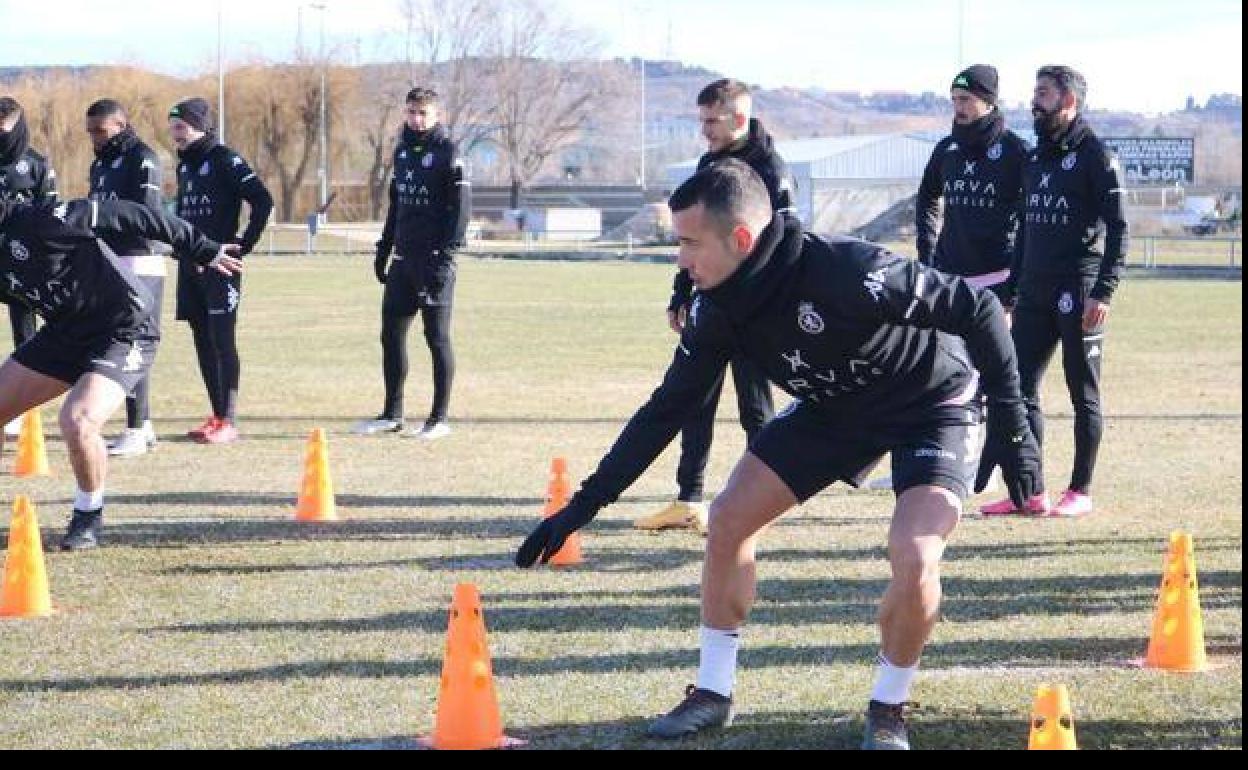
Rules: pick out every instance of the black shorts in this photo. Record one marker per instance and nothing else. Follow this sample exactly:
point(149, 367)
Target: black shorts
point(408, 289)
point(124, 361)
point(205, 294)
point(809, 453)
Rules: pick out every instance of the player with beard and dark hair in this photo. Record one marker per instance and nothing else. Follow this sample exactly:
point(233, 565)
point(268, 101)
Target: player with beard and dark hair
point(1067, 268)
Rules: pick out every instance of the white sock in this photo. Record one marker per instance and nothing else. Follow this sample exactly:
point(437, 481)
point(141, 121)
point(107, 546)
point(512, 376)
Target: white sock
point(892, 683)
point(89, 501)
point(717, 666)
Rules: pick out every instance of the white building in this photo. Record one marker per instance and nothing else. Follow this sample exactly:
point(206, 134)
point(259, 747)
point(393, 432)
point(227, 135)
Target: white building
point(843, 182)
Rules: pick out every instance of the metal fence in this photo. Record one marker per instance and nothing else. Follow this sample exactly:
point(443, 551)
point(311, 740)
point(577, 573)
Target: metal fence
point(1146, 251)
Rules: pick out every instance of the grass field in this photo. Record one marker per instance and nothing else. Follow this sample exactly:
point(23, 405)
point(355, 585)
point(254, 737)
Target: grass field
point(212, 620)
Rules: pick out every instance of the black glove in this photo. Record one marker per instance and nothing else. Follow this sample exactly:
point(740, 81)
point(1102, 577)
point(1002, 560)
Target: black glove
point(1012, 446)
point(379, 266)
point(549, 536)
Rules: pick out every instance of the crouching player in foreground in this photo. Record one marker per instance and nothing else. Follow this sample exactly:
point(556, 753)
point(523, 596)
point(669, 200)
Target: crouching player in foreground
point(881, 355)
point(99, 336)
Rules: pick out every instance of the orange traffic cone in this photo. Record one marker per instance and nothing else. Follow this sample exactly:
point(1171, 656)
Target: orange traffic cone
point(316, 495)
point(558, 492)
point(1052, 723)
point(25, 593)
point(1178, 640)
point(468, 716)
point(32, 455)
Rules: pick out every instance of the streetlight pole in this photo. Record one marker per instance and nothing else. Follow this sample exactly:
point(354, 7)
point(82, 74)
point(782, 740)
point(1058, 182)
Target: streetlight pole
point(642, 175)
point(220, 73)
point(323, 169)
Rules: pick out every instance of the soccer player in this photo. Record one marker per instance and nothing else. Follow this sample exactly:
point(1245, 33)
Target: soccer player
point(724, 109)
point(213, 183)
point(25, 177)
point(430, 204)
point(1074, 242)
point(127, 169)
point(881, 354)
point(976, 173)
point(98, 336)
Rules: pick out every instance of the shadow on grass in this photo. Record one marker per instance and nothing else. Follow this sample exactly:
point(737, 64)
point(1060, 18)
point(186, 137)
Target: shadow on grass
point(1013, 654)
point(603, 561)
point(782, 603)
point(180, 533)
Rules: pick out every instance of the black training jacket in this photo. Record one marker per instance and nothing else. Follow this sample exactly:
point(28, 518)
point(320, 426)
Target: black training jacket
point(867, 337)
point(1074, 217)
point(53, 261)
point(430, 200)
point(213, 182)
point(980, 189)
point(127, 169)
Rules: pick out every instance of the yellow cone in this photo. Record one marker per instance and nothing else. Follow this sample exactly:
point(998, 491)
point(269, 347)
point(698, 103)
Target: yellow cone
point(25, 588)
point(32, 455)
point(1052, 723)
point(1178, 639)
point(316, 495)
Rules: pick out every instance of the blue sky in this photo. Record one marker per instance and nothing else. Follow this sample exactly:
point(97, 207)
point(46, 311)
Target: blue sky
point(1147, 55)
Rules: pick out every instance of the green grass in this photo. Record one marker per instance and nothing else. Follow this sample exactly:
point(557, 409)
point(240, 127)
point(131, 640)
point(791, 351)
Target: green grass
point(213, 620)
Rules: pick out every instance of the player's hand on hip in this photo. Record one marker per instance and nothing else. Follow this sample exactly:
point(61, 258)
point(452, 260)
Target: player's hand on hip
point(227, 262)
point(676, 319)
point(1095, 314)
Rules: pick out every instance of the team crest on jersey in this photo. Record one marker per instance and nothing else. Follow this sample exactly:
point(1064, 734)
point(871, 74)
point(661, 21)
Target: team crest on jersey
point(205, 169)
point(22, 167)
point(1066, 304)
point(19, 250)
point(1068, 162)
point(994, 152)
point(427, 161)
point(809, 320)
point(117, 163)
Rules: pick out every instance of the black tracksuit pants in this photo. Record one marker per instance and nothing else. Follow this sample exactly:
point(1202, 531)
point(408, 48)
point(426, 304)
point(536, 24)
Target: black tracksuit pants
point(1050, 311)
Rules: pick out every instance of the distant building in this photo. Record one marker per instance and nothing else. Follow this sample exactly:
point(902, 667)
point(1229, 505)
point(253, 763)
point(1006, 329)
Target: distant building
point(844, 182)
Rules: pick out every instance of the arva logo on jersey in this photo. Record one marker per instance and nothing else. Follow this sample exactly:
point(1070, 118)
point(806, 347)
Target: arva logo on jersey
point(413, 195)
point(967, 191)
point(815, 384)
point(1045, 207)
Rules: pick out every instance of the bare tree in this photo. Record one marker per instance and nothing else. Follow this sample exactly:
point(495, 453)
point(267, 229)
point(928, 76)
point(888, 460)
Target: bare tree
point(275, 108)
point(545, 86)
point(445, 44)
point(376, 103)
